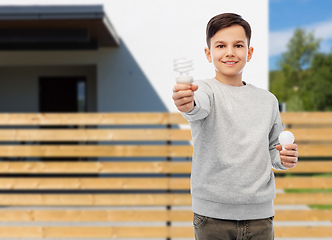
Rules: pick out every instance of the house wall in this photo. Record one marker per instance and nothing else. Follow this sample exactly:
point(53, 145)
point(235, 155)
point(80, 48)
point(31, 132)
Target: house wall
point(156, 32)
point(19, 85)
point(138, 76)
point(121, 86)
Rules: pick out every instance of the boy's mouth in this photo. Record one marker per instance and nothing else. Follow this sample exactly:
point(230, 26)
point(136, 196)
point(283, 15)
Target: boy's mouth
point(230, 63)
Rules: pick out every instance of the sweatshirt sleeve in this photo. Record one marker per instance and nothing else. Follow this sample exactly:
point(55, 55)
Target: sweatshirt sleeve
point(274, 141)
point(203, 99)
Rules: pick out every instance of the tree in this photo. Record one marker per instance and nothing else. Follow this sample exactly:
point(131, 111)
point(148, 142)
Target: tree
point(318, 87)
point(304, 77)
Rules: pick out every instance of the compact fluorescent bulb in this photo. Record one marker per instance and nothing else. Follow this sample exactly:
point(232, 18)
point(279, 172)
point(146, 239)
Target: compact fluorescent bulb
point(183, 66)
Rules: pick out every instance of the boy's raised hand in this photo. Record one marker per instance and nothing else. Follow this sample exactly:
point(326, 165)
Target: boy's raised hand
point(183, 96)
point(289, 157)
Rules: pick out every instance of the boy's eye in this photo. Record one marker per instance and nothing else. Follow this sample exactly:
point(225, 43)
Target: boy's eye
point(220, 46)
point(239, 46)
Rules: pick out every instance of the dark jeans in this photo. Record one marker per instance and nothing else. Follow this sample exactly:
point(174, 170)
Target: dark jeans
point(207, 228)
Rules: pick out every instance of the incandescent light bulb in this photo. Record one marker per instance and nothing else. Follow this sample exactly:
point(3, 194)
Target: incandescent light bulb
point(286, 137)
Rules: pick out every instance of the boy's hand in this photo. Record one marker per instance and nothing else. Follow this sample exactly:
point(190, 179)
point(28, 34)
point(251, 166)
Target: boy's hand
point(183, 96)
point(289, 156)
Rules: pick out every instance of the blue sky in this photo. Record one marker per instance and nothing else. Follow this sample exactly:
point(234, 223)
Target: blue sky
point(287, 15)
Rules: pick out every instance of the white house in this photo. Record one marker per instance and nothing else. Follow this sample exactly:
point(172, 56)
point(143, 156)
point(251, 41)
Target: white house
point(111, 56)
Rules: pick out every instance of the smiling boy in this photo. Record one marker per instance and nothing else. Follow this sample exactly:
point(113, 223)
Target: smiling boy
point(235, 128)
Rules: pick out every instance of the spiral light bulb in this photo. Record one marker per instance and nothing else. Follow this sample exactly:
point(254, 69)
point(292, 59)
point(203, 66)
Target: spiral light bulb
point(183, 66)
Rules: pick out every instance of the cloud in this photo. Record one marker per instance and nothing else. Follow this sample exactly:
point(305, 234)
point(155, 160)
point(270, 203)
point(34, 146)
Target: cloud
point(279, 39)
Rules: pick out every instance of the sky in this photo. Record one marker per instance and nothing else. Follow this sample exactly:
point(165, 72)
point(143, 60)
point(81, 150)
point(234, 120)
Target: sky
point(287, 15)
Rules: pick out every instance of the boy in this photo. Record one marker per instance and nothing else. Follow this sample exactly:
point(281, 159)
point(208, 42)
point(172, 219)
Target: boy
point(235, 128)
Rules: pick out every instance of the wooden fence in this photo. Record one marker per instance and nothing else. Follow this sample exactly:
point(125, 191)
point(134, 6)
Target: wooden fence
point(128, 176)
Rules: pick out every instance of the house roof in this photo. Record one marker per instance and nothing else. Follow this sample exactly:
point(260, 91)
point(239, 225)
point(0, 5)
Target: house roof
point(55, 28)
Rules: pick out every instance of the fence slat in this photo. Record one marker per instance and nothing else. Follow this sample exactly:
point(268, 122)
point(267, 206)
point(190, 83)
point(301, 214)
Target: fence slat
point(43, 119)
point(136, 167)
point(141, 232)
point(137, 118)
point(309, 134)
point(142, 183)
point(95, 151)
point(83, 215)
point(95, 199)
point(303, 199)
point(83, 232)
point(312, 118)
point(95, 135)
point(95, 167)
point(141, 199)
point(90, 183)
point(305, 150)
point(304, 182)
point(309, 167)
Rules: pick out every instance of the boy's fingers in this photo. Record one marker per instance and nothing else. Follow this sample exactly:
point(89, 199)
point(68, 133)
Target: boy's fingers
point(181, 86)
point(289, 153)
point(194, 87)
point(291, 147)
point(182, 94)
point(289, 159)
point(278, 147)
point(288, 164)
point(183, 101)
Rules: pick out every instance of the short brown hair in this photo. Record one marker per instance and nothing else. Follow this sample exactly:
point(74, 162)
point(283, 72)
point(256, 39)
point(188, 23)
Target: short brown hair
point(225, 20)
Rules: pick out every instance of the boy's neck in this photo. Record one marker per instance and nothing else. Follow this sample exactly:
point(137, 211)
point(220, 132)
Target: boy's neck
point(235, 81)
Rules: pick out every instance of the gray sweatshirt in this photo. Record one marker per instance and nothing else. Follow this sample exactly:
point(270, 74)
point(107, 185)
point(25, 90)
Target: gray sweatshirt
point(235, 131)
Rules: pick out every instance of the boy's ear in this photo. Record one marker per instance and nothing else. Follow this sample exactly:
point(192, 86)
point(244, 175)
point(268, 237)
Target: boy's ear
point(208, 54)
point(250, 53)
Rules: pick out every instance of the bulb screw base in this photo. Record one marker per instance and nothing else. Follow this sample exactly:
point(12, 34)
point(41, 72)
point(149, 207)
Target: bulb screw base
point(185, 79)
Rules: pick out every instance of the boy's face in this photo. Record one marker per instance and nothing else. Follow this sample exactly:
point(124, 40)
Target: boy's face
point(229, 52)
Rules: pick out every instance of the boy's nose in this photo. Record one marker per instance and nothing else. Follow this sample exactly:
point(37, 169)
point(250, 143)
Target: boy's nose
point(229, 52)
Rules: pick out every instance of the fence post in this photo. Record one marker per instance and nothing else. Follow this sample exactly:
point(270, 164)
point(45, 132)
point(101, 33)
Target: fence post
point(169, 175)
